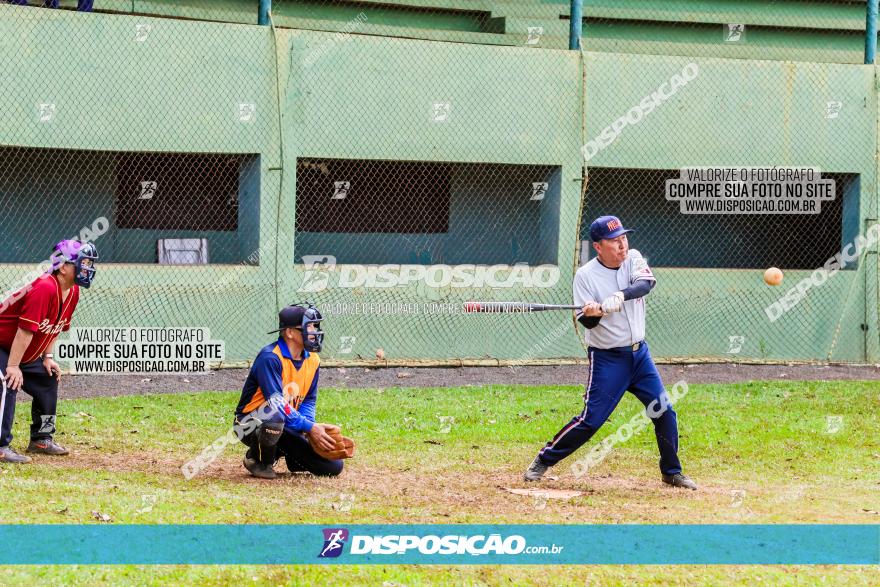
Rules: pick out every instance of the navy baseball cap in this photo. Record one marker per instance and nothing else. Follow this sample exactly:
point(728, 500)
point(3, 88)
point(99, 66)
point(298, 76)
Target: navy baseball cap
point(607, 227)
point(290, 317)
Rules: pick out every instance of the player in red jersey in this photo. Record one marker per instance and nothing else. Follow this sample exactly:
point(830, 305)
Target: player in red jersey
point(30, 321)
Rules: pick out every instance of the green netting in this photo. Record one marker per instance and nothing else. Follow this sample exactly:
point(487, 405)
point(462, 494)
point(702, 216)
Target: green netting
point(392, 160)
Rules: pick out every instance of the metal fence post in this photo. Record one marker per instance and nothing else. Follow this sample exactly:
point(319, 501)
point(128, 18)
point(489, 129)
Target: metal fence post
point(265, 8)
point(577, 21)
point(870, 31)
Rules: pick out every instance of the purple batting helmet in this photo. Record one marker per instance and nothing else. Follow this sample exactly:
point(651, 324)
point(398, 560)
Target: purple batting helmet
point(81, 255)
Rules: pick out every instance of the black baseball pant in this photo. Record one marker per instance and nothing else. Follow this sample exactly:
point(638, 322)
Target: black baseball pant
point(43, 388)
point(299, 454)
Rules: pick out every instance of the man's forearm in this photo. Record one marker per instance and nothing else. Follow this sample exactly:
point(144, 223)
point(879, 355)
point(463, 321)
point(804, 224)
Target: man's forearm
point(292, 419)
point(639, 289)
point(19, 345)
point(297, 422)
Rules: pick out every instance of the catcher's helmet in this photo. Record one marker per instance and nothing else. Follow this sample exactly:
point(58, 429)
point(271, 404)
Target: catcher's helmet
point(300, 316)
point(80, 255)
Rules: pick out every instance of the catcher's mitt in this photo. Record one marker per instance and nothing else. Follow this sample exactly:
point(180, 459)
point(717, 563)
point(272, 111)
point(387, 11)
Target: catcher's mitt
point(344, 448)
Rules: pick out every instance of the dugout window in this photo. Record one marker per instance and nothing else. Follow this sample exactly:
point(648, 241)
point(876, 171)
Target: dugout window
point(399, 212)
point(171, 191)
point(214, 197)
point(50, 194)
point(670, 238)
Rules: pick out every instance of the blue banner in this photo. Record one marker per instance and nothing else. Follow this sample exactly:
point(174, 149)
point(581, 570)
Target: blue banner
point(440, 544)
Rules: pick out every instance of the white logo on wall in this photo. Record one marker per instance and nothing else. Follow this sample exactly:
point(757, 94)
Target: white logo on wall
point(441, 111)
point(47, 112)
point(317, 275)
point(535, 33)
point(346, 344)
point(539, 190)
point(736, 344)
point(141, 31)
point(247, 112)
point(832, 109)
point(340, 189)
point(148, 190)
point(735, 33)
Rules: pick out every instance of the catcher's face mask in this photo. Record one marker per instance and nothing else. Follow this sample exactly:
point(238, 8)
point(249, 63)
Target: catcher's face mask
point(81, 255)
point(306, 319)
point(313, 338)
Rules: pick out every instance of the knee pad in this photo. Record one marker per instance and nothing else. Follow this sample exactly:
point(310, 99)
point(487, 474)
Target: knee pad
point(265, 440)
point(269, 433)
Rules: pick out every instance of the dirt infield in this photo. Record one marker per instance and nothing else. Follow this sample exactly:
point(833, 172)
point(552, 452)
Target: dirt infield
point(78, 386)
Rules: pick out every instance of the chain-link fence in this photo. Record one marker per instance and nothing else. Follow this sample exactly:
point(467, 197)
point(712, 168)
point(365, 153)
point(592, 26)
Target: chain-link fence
point(392, 160)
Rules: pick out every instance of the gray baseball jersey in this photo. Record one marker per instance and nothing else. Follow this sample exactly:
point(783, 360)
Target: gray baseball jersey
point(594, 282)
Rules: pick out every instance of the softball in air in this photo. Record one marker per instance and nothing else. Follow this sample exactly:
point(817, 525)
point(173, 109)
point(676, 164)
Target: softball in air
point(773, 276)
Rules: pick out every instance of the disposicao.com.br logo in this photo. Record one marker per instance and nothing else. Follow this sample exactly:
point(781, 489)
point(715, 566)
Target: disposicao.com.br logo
point(322, 272)
point(334, 542)
point(393, 544)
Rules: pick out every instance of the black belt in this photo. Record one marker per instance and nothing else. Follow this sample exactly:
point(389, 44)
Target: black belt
point(622, 349)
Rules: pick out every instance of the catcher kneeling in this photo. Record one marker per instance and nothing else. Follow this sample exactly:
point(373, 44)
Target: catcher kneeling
point(276, 414)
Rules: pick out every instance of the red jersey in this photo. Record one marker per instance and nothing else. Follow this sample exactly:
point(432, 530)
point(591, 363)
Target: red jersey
point(39, 309)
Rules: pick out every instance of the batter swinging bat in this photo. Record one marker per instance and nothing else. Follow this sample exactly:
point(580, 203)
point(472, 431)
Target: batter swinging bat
point(514, 307)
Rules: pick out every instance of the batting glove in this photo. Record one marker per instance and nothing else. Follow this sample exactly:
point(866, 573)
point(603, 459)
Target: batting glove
point(613, 303)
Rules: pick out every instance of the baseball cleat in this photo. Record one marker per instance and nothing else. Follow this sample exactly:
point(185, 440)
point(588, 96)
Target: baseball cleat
point(8, 455)
point(47, 446)
point(679, 480)
point(258, 469)
point(536, 470)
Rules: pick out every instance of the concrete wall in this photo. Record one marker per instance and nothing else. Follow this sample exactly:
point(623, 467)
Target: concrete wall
point(822, 31)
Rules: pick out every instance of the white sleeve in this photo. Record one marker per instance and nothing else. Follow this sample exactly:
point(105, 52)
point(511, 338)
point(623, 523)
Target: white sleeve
point(581, 292)
point(638, 267)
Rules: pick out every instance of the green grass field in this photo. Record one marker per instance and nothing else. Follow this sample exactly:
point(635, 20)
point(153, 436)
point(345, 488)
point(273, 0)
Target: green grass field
point(792, 452)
